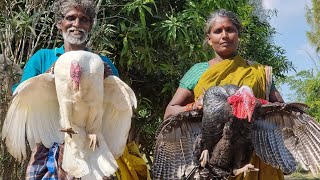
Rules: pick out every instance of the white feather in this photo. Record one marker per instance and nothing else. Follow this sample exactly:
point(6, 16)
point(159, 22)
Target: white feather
point(33, 111)
point(119, 99)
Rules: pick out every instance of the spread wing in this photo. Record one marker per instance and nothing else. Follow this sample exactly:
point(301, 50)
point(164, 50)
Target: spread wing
point(286, 134)
point(119, 99)
point(34, 111)
point(175, 140)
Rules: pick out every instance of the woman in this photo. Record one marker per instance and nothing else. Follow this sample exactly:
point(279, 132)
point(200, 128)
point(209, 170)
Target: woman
point(227, 67)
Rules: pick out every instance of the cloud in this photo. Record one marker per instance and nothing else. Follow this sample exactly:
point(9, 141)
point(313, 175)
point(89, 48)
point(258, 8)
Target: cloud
point(305, 49)
point(269, 4)
point(297, 7)
point(311, 56)
point(289, 13)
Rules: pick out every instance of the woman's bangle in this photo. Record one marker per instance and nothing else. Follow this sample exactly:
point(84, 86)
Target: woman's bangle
point(189, 106)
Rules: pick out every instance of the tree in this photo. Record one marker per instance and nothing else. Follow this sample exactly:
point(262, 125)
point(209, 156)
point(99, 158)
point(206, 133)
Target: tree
point(307, 85)
point(153, 43)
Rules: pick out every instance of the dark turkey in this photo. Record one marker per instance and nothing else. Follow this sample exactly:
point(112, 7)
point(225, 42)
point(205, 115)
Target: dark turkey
point(233, 125)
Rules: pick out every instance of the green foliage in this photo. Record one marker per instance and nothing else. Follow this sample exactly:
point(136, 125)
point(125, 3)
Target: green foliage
point(26, 26)
point(257, 45)
point(307, 87)
point(152, 43)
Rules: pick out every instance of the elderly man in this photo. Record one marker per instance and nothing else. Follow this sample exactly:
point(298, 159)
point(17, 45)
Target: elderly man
point(74, 20)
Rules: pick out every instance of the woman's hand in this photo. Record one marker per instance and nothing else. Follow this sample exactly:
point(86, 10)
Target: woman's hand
point(178, 102)
point(198, 104)
point(195, 105)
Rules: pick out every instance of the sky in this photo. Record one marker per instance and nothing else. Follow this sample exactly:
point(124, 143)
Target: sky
point(291, 25)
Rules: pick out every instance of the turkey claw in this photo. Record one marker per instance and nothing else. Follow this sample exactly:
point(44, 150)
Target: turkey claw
point(204, 158)
point(70, 131)
point(93, 141)
point(245, 169)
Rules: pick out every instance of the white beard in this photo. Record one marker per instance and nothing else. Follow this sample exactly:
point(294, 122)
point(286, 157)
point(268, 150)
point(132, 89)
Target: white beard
point(76, 40)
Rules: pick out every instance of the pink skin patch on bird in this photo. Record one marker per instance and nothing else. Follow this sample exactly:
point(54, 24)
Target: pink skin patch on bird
point(75, 74)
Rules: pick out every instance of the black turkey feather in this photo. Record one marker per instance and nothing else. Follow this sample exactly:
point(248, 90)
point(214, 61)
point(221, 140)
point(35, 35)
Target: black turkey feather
point(232, 125)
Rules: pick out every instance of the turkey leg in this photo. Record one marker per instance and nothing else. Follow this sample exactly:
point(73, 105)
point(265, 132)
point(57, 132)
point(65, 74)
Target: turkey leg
point(66, 114)
point(93, 141)
point(95, 121)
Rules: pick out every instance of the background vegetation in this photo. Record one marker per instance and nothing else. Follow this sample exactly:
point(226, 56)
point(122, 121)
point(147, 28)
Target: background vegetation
point(152, 43)
point(306, 84)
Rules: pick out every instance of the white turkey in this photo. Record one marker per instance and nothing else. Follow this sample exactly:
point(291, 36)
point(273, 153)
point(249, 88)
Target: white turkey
point(231, 126)
point(77, 106)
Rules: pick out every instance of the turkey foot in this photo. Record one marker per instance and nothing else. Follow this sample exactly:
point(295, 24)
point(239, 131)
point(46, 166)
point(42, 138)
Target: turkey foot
point(93, 141)
point(245, 169)
point(70, 131)
point(204, 158)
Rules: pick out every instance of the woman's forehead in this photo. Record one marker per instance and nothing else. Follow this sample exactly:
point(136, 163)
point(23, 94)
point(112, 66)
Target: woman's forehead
point(220, 20)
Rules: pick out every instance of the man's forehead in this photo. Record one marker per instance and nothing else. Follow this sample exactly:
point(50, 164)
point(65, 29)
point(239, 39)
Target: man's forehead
point(76, 11)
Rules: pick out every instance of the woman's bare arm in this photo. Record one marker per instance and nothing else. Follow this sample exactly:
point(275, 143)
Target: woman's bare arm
point(177, 104)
